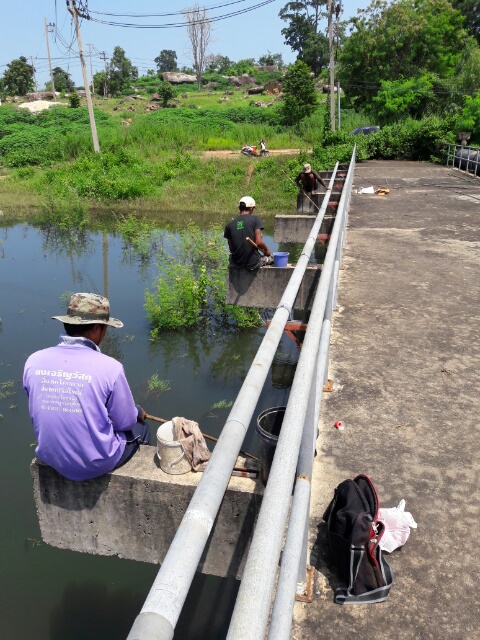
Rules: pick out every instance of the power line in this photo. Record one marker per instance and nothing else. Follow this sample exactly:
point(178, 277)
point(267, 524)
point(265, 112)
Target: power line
point(163, 15)
point(174, 25)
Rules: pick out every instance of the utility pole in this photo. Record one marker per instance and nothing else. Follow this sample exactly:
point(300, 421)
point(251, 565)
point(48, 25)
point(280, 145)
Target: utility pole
point(50, 62)
point(332, 64)
point(103, 55)
point(338, 11)
point(72, 8)
point(91, 70)
point(338, 103)
point(34, 76)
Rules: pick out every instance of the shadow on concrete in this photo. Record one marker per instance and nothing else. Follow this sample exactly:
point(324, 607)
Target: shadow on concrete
point(245, 532)
point(57, 490)
point(320, 558)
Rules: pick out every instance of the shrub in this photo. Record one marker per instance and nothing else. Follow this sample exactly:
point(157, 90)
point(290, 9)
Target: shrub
point(191, 286)
point(74, 100)
point(411, 140)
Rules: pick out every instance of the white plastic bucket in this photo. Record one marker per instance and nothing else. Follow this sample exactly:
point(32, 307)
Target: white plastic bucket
point(170, 452)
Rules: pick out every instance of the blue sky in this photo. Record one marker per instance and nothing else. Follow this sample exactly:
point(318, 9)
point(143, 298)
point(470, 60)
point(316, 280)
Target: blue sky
point(22, 32)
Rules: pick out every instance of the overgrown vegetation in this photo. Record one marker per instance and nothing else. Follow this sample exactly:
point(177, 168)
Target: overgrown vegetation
point(191, 286)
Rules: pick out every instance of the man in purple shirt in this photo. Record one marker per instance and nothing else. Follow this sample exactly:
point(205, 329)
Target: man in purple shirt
point(83, 413)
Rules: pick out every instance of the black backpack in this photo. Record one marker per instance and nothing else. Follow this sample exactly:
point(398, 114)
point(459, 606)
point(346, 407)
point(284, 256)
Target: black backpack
point(354, 534)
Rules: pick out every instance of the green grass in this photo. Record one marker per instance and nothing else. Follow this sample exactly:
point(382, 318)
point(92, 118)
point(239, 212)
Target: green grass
point(156, 165)
point(156, 384)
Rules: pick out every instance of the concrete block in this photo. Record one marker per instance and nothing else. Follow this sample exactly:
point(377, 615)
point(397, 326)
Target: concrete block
point(264, 287)
point(311, 204)
point(297, 228)
point(135, 511)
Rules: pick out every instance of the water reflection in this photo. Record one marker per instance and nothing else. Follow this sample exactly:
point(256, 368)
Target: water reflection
point(71, 242)
point(111, 345)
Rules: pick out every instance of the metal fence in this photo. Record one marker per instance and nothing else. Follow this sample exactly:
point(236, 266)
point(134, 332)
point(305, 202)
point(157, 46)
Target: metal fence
point(160, 613)
point(464, 158)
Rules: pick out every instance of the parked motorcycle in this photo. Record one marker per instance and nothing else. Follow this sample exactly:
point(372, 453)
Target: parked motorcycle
point(252, 151)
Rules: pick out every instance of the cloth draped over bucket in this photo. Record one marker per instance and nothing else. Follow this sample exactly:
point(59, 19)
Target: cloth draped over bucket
point(193, 443)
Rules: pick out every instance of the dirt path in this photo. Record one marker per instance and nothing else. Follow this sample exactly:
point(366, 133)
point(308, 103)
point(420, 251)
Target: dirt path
point(236, 154)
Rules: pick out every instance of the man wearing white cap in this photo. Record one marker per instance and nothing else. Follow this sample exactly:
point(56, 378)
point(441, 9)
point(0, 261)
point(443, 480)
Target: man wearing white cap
point(85, 419)
point(242, 234)
point(306, 179)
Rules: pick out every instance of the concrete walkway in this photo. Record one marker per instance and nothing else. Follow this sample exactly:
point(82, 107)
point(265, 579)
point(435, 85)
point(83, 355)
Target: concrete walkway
point(405, 362)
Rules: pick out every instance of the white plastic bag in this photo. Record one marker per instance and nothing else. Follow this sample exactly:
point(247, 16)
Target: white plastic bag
point(398, 523)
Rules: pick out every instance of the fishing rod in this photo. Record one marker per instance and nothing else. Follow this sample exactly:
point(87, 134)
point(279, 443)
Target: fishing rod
point(205, 435)
point(293, 182)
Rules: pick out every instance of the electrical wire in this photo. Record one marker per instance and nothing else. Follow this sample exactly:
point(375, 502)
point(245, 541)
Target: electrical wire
point(182, 24)
point(163, 15)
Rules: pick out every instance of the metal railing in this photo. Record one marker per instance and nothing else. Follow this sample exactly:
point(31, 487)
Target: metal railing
point(464, 158)
point(162, 608)
point(294, 452)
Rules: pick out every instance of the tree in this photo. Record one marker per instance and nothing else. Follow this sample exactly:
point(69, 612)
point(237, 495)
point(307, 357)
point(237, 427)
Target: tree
point(246, 65)
point(300, 97)
point(216, 62)
point(61, 80)
point(166, 92)
point(467, 80)
point(406, 39)
point(399, 99)
point(100, 82)
point(199, 30)
point(166, 61)
point(74, 100)
point(18, 77)
point(471, 10)
point(470, 117)
point(121, 72)
point(271, 59)
point(303, 32)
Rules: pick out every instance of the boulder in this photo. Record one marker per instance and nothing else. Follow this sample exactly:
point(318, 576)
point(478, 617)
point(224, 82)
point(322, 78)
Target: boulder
point(255, 90)
point(178, 78)
point(239, 81)
point(274, 87)
point(40, 95)
point(271, 68)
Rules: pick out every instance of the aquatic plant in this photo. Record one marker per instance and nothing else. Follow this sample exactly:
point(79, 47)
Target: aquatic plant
point(156, 384)
point(7, 389)
point(191, 286)
point(139, 235)
point(223, 404)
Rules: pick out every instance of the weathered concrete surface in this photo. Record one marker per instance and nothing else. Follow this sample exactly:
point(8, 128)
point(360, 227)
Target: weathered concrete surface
point(264, 287)
point(297, 228)
point(135, 511)
point(405, 364)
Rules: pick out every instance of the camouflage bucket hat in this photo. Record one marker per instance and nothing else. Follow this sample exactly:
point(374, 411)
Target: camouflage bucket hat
point(89, 308)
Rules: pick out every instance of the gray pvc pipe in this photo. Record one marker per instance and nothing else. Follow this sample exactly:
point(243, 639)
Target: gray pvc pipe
point(170, 588)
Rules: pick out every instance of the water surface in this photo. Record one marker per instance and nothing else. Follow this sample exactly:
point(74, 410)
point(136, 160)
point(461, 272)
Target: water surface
point(48, 593)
